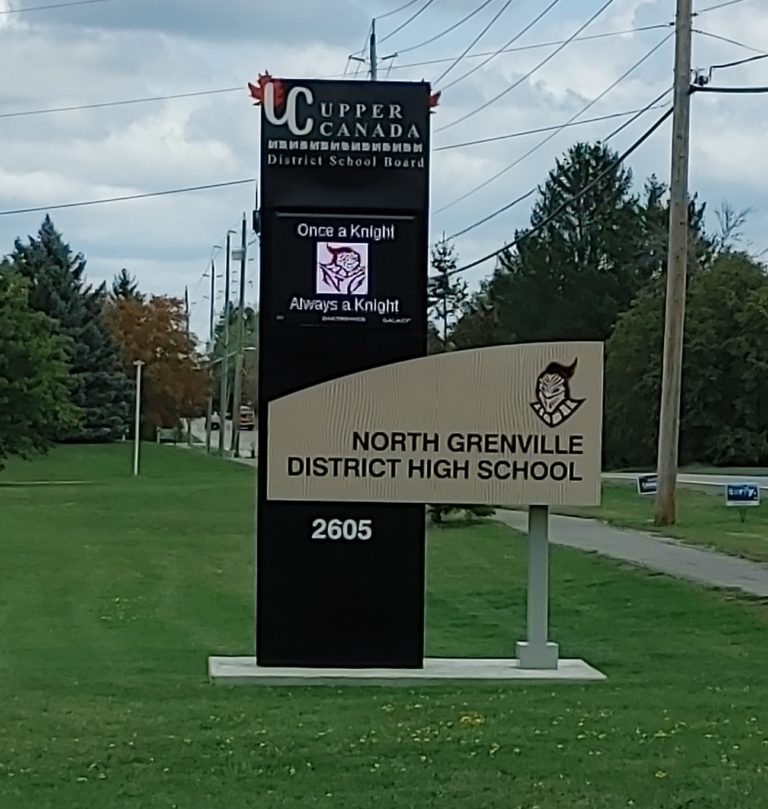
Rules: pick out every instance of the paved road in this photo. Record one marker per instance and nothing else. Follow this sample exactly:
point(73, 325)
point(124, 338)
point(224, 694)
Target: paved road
point(247, 438)
point(697, 479)
point(650, 550)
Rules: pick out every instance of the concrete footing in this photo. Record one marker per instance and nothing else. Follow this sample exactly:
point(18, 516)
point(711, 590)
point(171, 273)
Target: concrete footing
point(436, 671)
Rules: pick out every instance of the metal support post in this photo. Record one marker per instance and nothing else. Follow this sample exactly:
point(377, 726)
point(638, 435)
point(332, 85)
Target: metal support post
point(537, 652)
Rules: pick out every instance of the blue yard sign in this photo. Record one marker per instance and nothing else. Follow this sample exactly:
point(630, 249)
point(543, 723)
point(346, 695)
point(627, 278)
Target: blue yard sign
point(742, 494)
point(646, 484)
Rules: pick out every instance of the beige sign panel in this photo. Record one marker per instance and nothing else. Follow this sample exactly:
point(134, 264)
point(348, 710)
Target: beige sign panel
point(506, 425)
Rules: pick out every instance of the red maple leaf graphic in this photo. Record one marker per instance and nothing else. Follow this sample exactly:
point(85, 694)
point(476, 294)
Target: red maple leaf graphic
point(258, 90)
point(434, 99)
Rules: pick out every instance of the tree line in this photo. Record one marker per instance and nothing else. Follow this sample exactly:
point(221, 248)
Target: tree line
point(68, 348)
point(595, 270)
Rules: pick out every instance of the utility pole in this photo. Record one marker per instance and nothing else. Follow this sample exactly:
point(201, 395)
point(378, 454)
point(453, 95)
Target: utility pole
point(235, 447)
point(211, 346)
point(677, 265)
point(373, 52)
point(373, 55)
point(224, 391)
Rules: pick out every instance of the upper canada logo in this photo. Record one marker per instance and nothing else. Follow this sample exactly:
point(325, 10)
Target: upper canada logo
point(554, 404)
point(299, 110)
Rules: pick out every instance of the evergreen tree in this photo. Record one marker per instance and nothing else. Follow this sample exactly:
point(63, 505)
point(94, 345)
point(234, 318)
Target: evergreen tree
point(34, 373)
point(56, 279)
point(579, 265)
point(572, 276)
point(446, 296)
point(654, 229)
point(478, 325)
point(125, 287)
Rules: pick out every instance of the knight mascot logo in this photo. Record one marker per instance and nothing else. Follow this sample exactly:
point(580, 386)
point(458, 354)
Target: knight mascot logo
point(554, 403)
point(342, 269)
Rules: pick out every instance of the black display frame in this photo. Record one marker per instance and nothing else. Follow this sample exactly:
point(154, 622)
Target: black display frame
point(324, 602)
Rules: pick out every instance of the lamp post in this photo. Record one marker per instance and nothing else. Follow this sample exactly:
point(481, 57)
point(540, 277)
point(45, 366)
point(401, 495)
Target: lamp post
point(211, 343)
point(240, 370)
point(224, 392)
point(139, 365)
point(225, 359)
point(242, 255)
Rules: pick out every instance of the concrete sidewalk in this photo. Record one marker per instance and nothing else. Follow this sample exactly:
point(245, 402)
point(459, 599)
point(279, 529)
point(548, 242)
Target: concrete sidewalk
point(652, 551)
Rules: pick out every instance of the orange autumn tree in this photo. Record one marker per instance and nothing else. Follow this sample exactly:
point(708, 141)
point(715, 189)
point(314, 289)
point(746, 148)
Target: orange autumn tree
point(154, 330)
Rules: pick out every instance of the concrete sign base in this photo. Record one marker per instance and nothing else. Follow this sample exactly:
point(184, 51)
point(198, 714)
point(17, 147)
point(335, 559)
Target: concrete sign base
point(436, 671)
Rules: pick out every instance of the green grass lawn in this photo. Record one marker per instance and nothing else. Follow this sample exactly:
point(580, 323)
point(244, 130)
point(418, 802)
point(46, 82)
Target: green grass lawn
point(113, 594)
point(703, 519)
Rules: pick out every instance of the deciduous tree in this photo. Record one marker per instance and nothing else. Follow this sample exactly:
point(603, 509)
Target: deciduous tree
point(154, 331)
point(724, 411)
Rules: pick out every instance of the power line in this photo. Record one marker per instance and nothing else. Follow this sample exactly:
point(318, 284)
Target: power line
point(537, 46)
point(104, 201)
point(474, 42)
point(493, 215)
point(728, 40)
point(724, 65)
point(414, 16)
point(717, 6)
point(707, 88)
point(447, 30)
point(650, 106)
point(53, 5)
point(573, 118)
point(405, 66)
point(120, 103)
point(620, 159)
point(533, 70)
point(505, 46)
point(541, 129)
point(397, 10)
point(738, 62)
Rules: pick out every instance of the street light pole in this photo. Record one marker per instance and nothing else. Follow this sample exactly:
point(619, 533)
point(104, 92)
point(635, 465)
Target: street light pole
point(139, 364)
point(211, 324)
point(235, 445)
point(224, 391)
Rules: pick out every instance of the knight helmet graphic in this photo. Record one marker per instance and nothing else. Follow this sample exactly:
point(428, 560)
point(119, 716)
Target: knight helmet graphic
point(345, 273)
point(554, 403)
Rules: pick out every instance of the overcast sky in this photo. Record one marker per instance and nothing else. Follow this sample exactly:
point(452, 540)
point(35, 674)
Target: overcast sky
point(112, 50)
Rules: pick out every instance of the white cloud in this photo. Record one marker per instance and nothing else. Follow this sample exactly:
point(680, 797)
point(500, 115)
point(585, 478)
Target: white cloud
point(102, 53)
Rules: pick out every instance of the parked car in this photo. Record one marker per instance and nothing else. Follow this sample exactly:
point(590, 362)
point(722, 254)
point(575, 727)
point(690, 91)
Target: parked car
point(247, 418)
